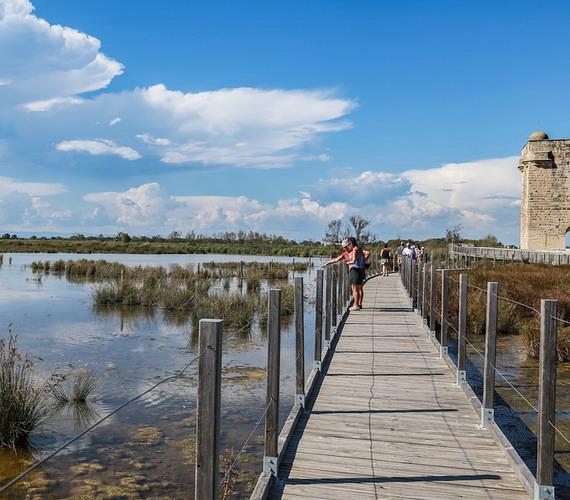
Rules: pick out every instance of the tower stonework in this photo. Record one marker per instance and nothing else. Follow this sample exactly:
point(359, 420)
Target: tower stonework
point(545, 200)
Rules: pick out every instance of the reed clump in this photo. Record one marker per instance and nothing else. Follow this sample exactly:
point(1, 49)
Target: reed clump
point(74, 390)
point(24, 404)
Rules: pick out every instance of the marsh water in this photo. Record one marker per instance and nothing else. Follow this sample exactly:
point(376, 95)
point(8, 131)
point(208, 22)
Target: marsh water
point(147, 449)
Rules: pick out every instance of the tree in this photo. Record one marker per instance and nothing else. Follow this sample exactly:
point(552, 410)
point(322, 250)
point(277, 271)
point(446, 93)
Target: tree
point(359, 224)
point(366, 237)
point(123, 237)
point(174, 236)
point(332, 235)
point(453, 234)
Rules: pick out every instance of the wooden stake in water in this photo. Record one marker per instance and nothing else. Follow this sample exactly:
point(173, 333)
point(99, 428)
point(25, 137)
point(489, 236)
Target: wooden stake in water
point(299, 343)
point(319, 319)
point(462, 328)
point(546, 400)
point(273, 369)
point(487, 406)
point(210, 336)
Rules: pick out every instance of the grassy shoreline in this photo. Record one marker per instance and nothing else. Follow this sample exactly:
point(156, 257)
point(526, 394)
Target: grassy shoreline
point(166, 247)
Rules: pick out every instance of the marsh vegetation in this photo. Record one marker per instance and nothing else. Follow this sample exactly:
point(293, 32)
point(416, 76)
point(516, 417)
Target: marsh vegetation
point(231, 291)
point(521, 287)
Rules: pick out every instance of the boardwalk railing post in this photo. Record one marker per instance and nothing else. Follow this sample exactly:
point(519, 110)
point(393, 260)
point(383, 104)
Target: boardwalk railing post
point(328, 306)
point(462, 329)
point(413, 285)
point(347, 286)
point(273, 369)
point(299, 343)
point(340, 292)
point(424, 294)
point(333, 299)
point(432, 284)
point(319, 320)
point(487, 407)
point(211, 332)
point(544, 488)
point(418, 271)
point(444, 309)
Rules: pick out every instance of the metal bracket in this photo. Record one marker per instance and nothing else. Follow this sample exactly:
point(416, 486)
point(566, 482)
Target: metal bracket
point(461, 376)
point(487, 416)
point(333, 331)
point(317, 365)
point(300, 400)
point(270, 465)
point(338, 318)
point(542, 492)
point(327, 344)
point(432, 334)
point(424, 322)
point(443, 350)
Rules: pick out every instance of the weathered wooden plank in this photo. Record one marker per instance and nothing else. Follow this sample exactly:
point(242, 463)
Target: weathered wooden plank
point(389, 420)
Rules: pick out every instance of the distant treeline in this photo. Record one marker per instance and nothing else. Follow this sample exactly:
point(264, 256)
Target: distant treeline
point(238, 243)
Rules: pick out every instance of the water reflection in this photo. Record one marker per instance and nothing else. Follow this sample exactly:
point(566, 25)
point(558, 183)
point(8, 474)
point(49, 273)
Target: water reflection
point(130, 348)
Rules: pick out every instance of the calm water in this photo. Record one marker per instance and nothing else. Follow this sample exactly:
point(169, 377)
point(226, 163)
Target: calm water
point(147, 449)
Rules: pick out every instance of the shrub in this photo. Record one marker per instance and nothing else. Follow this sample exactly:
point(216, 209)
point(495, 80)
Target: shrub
point(24, 406)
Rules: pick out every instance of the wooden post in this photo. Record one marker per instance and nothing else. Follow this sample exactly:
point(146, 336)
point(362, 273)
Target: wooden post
point(299, 343)
point(334, 281)
point(413, 284)
point(487, 407)
point(432, 284)
point(462, 329)
point(418, 272)
point(328, 303)
point(424, 294)
point(273, 369)
point(444, 310)
point(546, 400)
point(340, 291)
point(348, 285)
point(211, 332)
point(319, 320)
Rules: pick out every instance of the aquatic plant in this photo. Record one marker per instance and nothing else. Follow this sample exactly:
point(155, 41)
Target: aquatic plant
point(24, 404)
point(236, 310)
point(74, 391)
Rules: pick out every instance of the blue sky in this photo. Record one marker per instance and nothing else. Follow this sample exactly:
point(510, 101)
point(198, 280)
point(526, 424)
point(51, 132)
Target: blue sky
point(278, 117)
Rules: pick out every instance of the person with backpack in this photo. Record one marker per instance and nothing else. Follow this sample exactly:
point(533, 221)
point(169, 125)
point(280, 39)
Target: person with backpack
point(355, 259)
point(385, 256)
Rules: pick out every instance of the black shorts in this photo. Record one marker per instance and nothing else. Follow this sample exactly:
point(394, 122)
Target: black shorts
point(356, 276)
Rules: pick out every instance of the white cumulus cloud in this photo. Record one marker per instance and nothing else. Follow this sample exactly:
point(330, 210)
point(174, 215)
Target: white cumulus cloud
point(98, 147)
point(23, 204)
point(150, 208)
point(46, 69)
point(43, 62)
point(483, 195)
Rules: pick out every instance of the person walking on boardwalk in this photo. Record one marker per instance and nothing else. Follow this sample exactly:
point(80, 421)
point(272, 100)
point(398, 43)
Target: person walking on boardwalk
point(408, 251)
point(399, 253)
point(355, 259)
point(385, 256)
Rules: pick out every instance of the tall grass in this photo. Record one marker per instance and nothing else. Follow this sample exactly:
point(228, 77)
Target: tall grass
point(75, 390)
point(24, 404)
point(523, 283)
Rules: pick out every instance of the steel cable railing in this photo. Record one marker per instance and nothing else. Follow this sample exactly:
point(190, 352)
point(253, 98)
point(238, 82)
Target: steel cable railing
point(116, 410)
point(96, 424)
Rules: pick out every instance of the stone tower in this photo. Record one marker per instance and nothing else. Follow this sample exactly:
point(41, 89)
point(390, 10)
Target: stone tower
point(545, 201)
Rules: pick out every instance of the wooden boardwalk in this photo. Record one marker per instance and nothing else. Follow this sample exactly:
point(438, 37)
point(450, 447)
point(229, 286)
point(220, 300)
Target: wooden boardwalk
point(388, 420)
